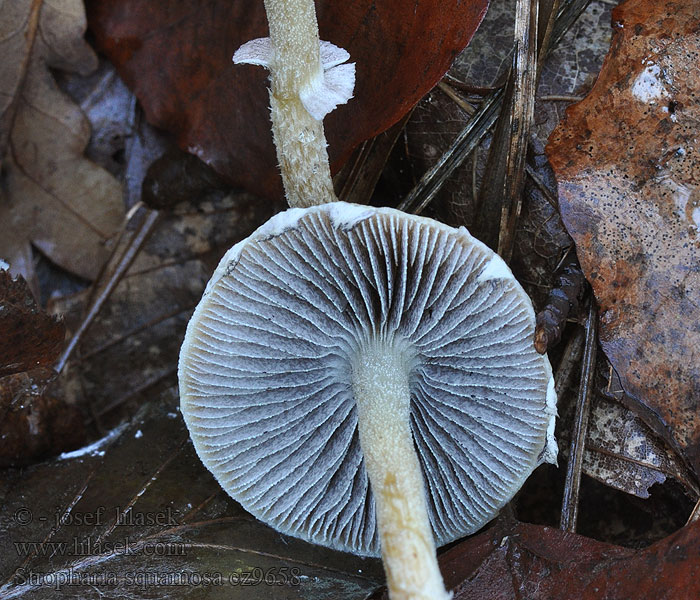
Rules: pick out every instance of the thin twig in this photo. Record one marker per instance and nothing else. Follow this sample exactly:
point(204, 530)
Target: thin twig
point(569, 361)
point(695, 515)
point(429, 185)
point(549, 195)
point(566, 16)
point(456, 98)
point(475, 168)
point(560, 98)
point(500, 197)
point(357, 180)
point(483, 119)
point(132, 249)
point(468, 88)
point(520, 120)
point(133, 392)
point(569, 509)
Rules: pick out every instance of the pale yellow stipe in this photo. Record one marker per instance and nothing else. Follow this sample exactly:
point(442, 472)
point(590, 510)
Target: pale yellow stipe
point(381, 389)
point(299, 138)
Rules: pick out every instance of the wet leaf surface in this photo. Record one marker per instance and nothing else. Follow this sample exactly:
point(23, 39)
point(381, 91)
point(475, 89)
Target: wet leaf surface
point(176, 56)
point(119, 523)
point(52, 197)
point(626, 161)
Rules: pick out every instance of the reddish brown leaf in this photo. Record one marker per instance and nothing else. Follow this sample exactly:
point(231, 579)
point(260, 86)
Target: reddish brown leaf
point(33, 424)
point(30, 338)
point(533, 562)
point(627, 163)
point(176, 56)
point(537, 562)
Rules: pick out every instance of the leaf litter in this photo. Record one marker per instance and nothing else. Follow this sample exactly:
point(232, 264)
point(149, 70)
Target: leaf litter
point(151, 368)
point(33, 423)
point(52, 197)
point(151, 535)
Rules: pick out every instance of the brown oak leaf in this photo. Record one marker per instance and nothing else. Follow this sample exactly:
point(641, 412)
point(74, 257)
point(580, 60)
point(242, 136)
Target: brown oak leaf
point(51, 196)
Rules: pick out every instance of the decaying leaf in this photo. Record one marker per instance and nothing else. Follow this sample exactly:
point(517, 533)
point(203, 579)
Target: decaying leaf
point(176, 56)
point(30, 338)
point(52, 197)
point(32, 424)
point(622, 452)
point(535, 562)
point(629, 179)
point(517, 561)
point(561, 299)
point(166, 530)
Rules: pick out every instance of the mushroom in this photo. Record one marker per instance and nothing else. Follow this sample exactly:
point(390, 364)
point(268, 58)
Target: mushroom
point(366, 379)
point(308, 80)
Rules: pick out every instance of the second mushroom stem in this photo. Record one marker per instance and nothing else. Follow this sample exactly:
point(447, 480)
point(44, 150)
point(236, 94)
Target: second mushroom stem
point(382, 393)
point(299, 138)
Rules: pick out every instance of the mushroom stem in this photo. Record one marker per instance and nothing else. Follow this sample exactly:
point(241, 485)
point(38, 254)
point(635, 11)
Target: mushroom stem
point(299, 137)
point(382, 393)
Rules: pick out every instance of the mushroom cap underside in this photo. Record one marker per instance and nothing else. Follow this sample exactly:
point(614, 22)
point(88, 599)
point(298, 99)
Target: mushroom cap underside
point(266, 377)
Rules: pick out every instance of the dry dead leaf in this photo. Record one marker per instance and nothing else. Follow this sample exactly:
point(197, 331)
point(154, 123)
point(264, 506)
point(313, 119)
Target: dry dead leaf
point(52, 197)
point(626, 159)
point(622, 452)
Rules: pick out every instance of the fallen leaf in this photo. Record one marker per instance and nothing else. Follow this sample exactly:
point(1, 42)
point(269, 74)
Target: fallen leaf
point(30, 338)
point(573, 65)
point(53, 198)
point(166, 530)
point(518, 560)
point(176, 56)
point(534, 562)
point(626, 159)
point(32, 424)
point(542, 245)
point(178, 177)
point(622, 452)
